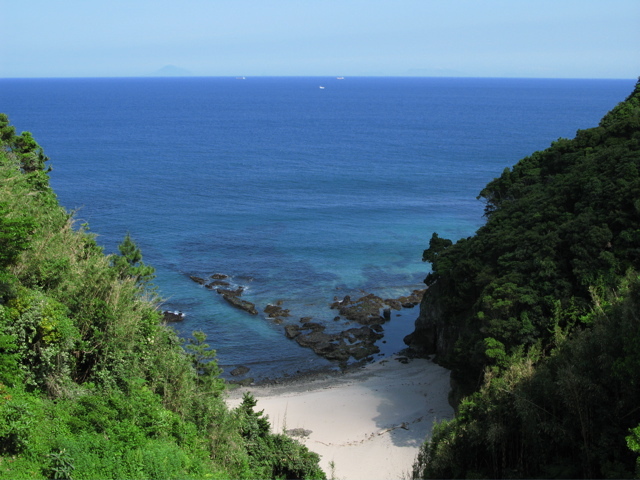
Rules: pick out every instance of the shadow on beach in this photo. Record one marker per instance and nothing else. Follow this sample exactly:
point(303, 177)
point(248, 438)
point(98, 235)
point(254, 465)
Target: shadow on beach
point(409, 407)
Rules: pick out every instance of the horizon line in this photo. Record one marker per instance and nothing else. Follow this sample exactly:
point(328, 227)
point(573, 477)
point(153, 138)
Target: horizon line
point(244, 77)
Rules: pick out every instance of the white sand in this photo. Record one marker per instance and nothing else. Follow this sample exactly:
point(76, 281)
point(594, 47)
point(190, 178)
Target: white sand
point(370, 422)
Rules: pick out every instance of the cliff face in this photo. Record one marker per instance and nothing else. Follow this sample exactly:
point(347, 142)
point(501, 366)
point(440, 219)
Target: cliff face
point(432, 334)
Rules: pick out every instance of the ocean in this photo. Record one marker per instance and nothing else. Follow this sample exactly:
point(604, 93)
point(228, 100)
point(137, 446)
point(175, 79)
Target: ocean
point(301, 189)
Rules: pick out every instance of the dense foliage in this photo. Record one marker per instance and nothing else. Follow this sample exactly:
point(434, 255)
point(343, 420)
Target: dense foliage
point(92, 384)
point(544, 300)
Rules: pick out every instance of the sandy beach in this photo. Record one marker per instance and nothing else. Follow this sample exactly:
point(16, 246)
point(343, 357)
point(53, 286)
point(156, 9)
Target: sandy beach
point(369, 423)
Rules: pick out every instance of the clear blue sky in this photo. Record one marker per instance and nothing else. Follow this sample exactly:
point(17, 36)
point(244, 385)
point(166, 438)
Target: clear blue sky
point(484, 38)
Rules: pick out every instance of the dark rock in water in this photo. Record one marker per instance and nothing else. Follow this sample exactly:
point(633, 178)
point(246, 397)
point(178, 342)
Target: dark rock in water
point(363, 351)
point(341, 303)
point(170, 317)
point(362, 334)
point(199, 280)
point(358, 343)
point(314, 327)
point(372, 320)
point(412, 300)
point(274, 311)
point(230, 293)
point(306, 319)
point(217, 283)
point(313, 339)
point(271, 310)
point(241, 304)
point(219, 276)
point(332, 351)
point(365, 310)
point(393, 303)
point(240, 370)
point(291, 331)
point(329, 346)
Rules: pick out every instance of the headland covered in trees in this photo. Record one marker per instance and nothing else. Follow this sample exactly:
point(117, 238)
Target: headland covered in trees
point(92, 384)
point(537, 316)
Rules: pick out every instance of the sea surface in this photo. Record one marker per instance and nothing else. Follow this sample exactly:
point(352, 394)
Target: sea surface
point(299, 193)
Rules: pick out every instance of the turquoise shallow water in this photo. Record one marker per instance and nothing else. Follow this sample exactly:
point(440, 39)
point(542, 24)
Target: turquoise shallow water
point(301, 194)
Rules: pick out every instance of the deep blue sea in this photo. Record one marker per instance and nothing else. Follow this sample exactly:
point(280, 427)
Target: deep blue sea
point(299, 193)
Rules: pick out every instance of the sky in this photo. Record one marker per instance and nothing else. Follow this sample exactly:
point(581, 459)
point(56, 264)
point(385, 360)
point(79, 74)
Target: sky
point(471, 38)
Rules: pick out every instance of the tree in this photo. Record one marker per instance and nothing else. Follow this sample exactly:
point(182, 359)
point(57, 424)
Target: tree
point(15, 235)
point(129, 263)
point(7, 131)
point(203, 359)
point(29, 153)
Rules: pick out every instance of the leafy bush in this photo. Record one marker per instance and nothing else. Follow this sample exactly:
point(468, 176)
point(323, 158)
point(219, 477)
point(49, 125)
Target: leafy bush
point(274, 456)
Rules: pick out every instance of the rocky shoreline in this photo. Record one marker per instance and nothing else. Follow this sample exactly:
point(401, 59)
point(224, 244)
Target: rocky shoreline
point(354, 342)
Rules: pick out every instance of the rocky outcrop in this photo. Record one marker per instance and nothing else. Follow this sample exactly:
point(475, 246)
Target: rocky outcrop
point(239, 370)
point(361, 334)
point(365, 310)
point(410, 301)
point(238, 302)
point(432, 334)
point(198, 280)
point(230, 293)
point(292, 331)
point(358, 342)
point(393, 303)
point(172, 316)
point(324, 344)
point(369, 311)
point(232, 296)
point(276, 311)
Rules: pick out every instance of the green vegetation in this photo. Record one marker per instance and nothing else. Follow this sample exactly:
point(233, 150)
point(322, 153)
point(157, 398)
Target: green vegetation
point(541, 312)
point(92, 384)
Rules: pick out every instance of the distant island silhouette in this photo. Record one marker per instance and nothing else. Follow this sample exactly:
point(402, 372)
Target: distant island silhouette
point(171, 71)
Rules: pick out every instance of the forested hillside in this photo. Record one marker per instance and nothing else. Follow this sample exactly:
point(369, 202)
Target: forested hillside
point(92, 384)
point(538, 314)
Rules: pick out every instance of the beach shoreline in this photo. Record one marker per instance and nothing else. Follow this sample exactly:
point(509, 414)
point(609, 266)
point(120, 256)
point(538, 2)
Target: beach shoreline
point(365, 423)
